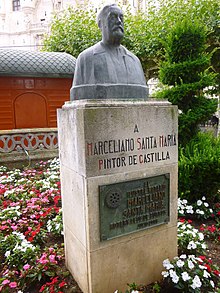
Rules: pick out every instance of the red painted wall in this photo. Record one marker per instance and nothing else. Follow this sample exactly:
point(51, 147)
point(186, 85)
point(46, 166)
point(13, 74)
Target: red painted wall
point(31, 102)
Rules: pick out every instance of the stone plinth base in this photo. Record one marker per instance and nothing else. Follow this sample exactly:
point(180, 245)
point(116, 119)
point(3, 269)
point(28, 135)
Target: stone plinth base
point(119, 217)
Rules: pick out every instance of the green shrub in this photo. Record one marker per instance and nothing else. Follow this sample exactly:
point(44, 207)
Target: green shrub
point(199, 167)
point(186, 74)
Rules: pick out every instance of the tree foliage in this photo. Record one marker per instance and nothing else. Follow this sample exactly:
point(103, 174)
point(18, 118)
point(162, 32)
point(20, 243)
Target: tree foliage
point(185, 71)
point(72, 31)
point(75, 29)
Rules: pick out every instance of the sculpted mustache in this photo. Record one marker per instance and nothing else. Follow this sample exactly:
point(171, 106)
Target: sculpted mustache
point(117, 27)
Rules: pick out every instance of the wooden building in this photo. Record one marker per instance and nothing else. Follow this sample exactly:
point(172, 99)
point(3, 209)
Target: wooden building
point(32, 86)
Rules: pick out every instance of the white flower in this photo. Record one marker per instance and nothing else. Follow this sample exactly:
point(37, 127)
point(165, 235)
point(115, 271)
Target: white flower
point(167, 264)
point(211, 211)
point(134, 291)
point(203, 198)
point(174, 276)
point(190, 264)
point(183, 226)
point(20, 235)
point(180, 263)
point(49, 228)
point(201, 236)
point(199, 202)
point(200, 212)
point(192, 256)
point(212, 284)
point(185, 276)
point(204, 246)
point(206, 274)
point(184, 201)
point(191, 245)
point(189, 209)
point(165, 274)
point(7, 253)
point(206, 204)
point(183, 256)
point(57, 226)
point(196, 283)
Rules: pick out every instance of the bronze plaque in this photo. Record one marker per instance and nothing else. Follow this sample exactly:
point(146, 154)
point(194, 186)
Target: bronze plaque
point(135, 205)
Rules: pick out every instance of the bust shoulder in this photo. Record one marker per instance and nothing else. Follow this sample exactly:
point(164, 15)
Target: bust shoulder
point(89, 52)
point(129, 53)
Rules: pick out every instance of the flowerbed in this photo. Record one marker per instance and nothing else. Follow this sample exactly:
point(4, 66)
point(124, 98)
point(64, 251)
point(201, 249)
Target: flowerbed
point(192, 270)
point(31, 241)
point(30, 224)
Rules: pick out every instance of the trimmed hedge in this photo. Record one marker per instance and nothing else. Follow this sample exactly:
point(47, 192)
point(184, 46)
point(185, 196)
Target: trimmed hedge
point(199, 167)
point(186, 73)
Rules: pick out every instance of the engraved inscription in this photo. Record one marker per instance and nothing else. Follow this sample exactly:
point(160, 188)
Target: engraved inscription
point(134, 205)
point(131, 151)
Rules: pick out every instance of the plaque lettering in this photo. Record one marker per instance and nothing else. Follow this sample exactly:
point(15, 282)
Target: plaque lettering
point(135, 205)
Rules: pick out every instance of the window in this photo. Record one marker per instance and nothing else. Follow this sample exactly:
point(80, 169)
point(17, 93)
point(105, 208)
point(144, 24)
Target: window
point(16, 5)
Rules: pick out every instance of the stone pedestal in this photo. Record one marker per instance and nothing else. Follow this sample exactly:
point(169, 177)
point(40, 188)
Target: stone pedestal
point(119, 191)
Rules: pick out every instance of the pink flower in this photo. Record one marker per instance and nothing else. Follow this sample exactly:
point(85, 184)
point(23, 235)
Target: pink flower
point(5, 282)
point(26, 267)
point(43, 259)
point(5, 273)
point(14, 227)
point(4, 227)
point(52, 259)
point(13, 285)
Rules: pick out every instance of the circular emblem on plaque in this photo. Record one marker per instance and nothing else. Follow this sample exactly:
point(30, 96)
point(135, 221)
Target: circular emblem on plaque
point(113, 199)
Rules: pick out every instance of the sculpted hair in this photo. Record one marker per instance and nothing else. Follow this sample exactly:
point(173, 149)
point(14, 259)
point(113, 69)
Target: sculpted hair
point(103, 13)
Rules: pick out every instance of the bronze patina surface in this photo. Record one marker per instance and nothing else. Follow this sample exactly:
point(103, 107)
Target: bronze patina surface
point(130, 206)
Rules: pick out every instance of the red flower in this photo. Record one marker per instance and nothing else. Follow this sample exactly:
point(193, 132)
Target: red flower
point(212, 228)
point(62, 284)
point(42, 288)
point(182, 220)
point(2, 190)
point(30, 239)
point(208, 267)
point(47, 211)
point(217, 273)
point(53, 281)
point(6, 203)
point(189, 221)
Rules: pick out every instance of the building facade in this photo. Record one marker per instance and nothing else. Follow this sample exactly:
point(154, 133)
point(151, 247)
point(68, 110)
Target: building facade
point(24, 22)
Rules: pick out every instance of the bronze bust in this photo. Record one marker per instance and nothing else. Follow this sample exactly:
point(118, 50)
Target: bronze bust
point(108, 70)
